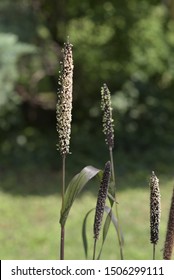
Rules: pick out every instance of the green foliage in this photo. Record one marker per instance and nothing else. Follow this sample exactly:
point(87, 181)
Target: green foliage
point(127, 44)
point(75, 187)
point(17, 17)
point(10, 52)
point(84, 232)
point(109, 218)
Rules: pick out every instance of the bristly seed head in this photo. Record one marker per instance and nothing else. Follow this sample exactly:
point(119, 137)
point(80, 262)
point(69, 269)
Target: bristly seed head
point(64, 103)
point(101, 199)
point(108, 126)
point(155, 208)
point(169, 242)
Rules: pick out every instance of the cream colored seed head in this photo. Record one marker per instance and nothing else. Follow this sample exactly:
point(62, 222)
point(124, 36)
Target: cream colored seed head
point(64, 103)
point(108, 126)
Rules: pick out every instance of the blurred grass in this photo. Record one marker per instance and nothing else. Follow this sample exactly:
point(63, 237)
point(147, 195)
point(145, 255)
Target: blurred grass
point(30, 206)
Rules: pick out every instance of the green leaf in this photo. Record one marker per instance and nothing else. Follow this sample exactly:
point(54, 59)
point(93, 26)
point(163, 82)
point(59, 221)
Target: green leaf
point(110, 217)
point(115, 223)
point(105, 231)
point(84, 231)
point(74, 188)
point(112, 198)
point(111, 193)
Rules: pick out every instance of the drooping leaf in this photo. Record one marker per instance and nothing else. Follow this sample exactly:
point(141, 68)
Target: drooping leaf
point(84, 231)
point(74, 188)
point(115, 223)
point(111, 197)
point(105, 231)
point(110, 217)
point(111, 193)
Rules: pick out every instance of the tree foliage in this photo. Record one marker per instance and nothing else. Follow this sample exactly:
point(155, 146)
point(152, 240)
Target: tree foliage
point(127, 44)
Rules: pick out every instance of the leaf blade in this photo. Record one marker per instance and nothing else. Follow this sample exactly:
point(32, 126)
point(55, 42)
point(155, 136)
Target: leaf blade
point(75, 187)
point(110, 217)
point(84, 235)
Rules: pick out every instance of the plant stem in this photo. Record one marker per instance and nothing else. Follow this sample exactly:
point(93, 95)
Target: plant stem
point(154, 251)
point(62, 238)
point(116, 207)
point(63, 178)
point(62, 241)
point(112, 164)
point(94, 250)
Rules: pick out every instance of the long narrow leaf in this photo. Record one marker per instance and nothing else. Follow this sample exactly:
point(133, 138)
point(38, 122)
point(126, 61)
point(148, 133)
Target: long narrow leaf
point(105, 231)
point(110, 217)
point(115, 223)
point(84, 231)
point(74, 188)
point(112, 198)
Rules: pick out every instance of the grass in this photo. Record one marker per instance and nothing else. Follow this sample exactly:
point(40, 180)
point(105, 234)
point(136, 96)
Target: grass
point(30, 205)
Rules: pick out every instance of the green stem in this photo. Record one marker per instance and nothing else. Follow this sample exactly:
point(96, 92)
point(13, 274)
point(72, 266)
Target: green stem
point(62, 238)
point(112, 164)
point(94, 250)
point(116, 207)
point(62, 242)
point(63, 178)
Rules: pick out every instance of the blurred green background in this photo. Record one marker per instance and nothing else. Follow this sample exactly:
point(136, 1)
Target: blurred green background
point(127, 44)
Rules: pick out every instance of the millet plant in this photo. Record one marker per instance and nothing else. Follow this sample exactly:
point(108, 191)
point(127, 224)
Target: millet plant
point(107, 181)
